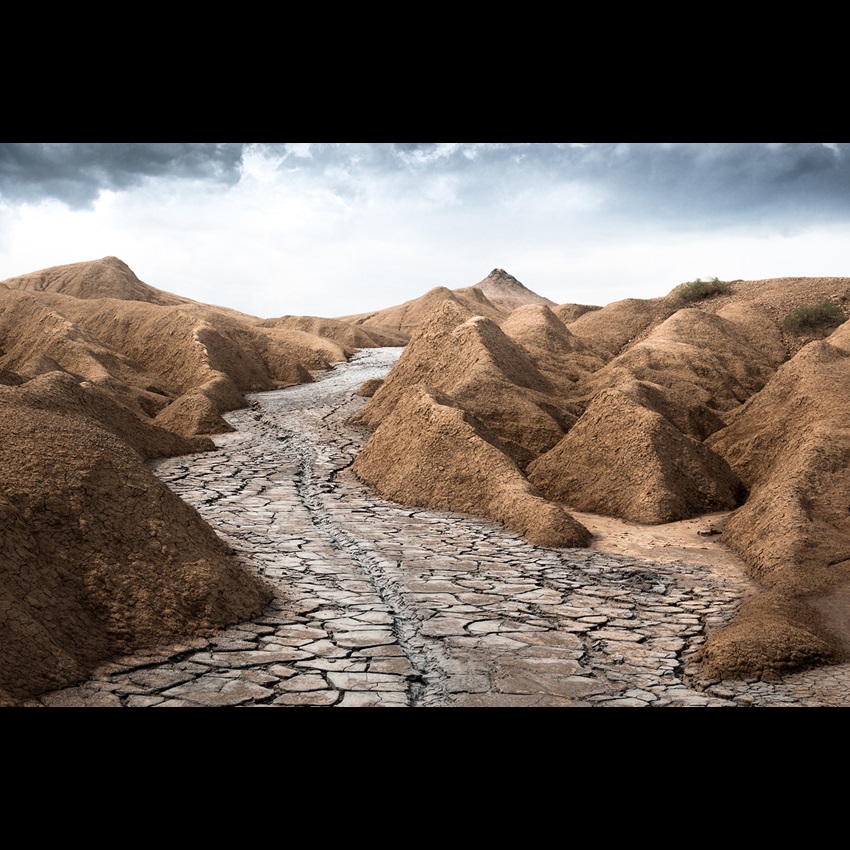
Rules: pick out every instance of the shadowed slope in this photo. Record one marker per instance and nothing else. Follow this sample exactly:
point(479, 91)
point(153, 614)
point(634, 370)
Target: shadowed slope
point(486, 373)
point(623, 460)
point(99, 557)
point(446, 459)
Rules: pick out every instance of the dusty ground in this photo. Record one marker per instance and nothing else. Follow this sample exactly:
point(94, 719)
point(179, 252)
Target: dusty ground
point(693, 540)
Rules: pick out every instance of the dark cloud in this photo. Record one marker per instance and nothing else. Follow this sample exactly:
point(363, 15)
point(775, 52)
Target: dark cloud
point(697, 185)
point(77, 173)
point(708, 184)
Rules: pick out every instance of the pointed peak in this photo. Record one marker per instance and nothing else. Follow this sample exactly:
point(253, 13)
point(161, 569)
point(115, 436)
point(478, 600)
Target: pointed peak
point(507, 293)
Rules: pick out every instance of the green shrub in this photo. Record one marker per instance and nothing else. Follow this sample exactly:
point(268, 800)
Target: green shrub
point(816, 318)
point(698, 289)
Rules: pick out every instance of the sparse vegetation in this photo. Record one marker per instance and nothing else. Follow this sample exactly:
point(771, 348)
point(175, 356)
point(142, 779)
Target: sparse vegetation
point(819, 318)
point(699, 289)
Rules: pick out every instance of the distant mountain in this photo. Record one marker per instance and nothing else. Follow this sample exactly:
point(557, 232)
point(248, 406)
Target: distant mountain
point(495, 297)
point(105, 278)
point(505, 292)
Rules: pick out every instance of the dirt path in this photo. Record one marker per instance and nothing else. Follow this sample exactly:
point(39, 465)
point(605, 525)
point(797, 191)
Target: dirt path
point(381, 604)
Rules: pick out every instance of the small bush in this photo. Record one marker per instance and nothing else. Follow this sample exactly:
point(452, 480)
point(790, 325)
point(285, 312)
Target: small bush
point(814, 319)
point(698, 289)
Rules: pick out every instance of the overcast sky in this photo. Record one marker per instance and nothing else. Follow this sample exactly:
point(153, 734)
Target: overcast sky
point(333, 229)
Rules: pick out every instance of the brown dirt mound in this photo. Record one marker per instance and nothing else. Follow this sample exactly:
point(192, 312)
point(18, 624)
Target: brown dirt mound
point(623, 460)
point(774, 298)
point(506, 293)
point(706, 357)
point(486, 373)
point(349, 336)
point(59, 392)
point(146, 355)
point(199, 410)
point(99, 556)
point(495, 297)
point(791, 445)
point(368, 388)
point(560, 355)
point(772, 635)
point(615, 326)
point(106, 278)
point(406, 318)
point(568, 313)
point(447, 460)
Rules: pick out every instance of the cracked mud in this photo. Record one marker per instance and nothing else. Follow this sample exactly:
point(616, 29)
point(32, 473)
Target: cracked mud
point(378, 604)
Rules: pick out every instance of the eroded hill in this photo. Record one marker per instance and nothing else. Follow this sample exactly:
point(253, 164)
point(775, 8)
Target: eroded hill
point(652, 410)
point(98, 372)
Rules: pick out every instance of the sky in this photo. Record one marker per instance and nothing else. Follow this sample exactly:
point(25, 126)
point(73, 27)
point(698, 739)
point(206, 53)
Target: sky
point(331, 229)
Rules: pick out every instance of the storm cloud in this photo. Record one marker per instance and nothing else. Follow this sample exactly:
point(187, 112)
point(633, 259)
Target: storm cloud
point(77, 173)
point(705, 182)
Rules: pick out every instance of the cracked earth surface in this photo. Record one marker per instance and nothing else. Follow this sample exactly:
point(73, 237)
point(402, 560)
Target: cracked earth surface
point(377, 604)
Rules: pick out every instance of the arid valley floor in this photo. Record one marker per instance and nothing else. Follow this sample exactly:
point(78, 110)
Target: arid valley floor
point(478, 498)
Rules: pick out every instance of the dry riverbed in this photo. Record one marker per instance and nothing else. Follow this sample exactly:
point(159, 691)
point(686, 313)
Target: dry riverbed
point(378, 604)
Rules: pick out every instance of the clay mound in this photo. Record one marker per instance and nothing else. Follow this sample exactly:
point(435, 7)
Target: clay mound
point(775, 298)
point(677, 406)
point(58, 392)
point(180, 345)
point(506, 293)
point(709, 358)
point(406, 318)
point(791, 445)
point(146, 355)
point(447, 460)
point(486, 373)
point(368, 388)
point(100, 557)
point(199, 411)
point(495, 297)
point(568, 313)
point(290, 354)
point(623, 460)
point(560, 355)
point(106, 278)
point(612, 328)
point(37, 339)
point(348, 336)
point(771, 635)
point(193, 413)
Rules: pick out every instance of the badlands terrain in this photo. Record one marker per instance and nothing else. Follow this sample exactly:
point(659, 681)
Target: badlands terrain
point(497, 501)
